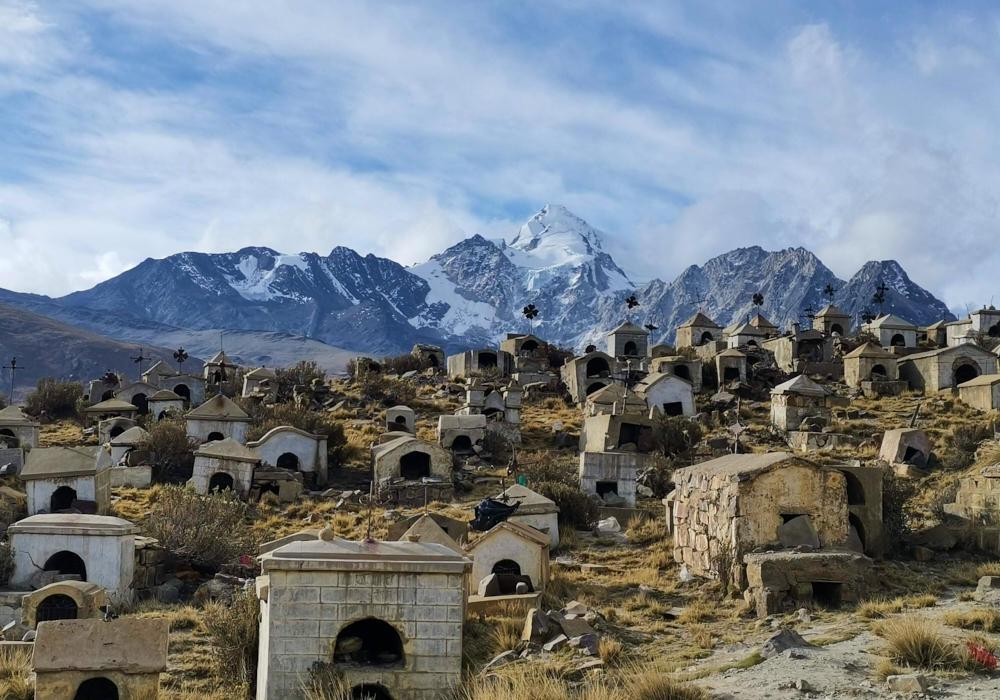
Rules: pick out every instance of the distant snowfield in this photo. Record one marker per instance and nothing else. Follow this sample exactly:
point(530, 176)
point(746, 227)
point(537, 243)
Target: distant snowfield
point(462, 315)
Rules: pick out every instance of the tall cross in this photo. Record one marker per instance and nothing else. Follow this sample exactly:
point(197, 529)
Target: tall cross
point(13, 368)
point(699, 302)
point(139, 360)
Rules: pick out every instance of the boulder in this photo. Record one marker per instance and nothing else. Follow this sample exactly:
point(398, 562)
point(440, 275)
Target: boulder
point(938, 537)
point(782, 641)
point(907, 683)
point(555, 642)
point(587, 643)
point(536, 627)
point(489, 586)
point(798, 531)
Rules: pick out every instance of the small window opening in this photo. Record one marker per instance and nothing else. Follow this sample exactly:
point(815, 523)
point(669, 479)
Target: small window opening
point(215, 437)
point(629, 433)
point(606, 487)
point(674, 408)
point(288, 461)
point(68, 563)
point(826, 594)
point(487, 360)
point(368, 642)
point(462, 443)
point(62, 499)
point(414, 466)
point(730, 374)
point(97, 689)
point(682, 371)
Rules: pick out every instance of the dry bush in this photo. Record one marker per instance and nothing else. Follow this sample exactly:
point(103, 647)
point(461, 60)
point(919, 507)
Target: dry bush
point(878, 608)
point(982, 619)
point(326, 682)
point(676, 435)
point(698, 611)
point(964, 574)
point(576, 508)
point(647, 684)
point(515, 682)
point(886, 668)
point(234, 631)
point(916, 642)
point(6, 563)
point(208, 531)
point(15, 675)
point(962, 443)
point(401, 364)
point(920, 601)
point(544, 467)
point(896, 495)
point(53, 397)
point(302, 373)
point(990, 568)
point(171, 451)
point(645, 531)
point(611, 651)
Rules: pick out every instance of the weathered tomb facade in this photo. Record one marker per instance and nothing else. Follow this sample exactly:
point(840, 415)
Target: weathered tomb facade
point(529, 358)
point(905, 446)
point(731, 366)
point(64, 478)
point(485, 360)
point(667, 394)
point(63, 600)
point(874, 371)
point(698, 330)
point(217, 419)
point(797, 400)
point(613, 448)
point(122, 659)
point(189, 387)
point(945, 368)
point(262, 382)
point(783, 582)
point(514, 553)
point(742, 335)
point(99, 549)
point(461, 433)
point(388, 615)
point(112, 428)
point(18, 436)
point(401, 419)
point(892, 331)
point(164, 402)
point(982, 393)
point(832, 321)
point(111, 408)
point(285, 447)
point(588, 373)
point(804, 351)
point(224, 465)
point(408, 470)
point(137, 394)
point(691, 370)
point(628, 341)
point(534, 510)
point(431, 355)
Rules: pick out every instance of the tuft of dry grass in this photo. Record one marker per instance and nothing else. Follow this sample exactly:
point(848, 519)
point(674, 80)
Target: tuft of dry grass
point(915, 602)
point(886, 668)
point(645, 531)
point(916, 642)
point(878, 608)
point(15, 675)
point(646, 684)
point(982, 619)
point(698, 611)
point(611, 651)
point(990, 568)
point(235, 631)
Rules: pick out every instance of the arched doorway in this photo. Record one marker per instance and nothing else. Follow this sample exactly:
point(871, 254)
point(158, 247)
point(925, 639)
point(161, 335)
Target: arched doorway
point(432, 360)
point(221, 481)
point(857, 526)
point(598, 367)
point(414, 466)
point(369, 692)
point(673, 408)
point(57, 607)
point(97, 689)
point(116, 431)
point(62, 499)
point(215, 437)
point(965, 373)
point(487, 360)
point(183, 391)
point(837, 329)
point(399, 423)
point(67, 563)
point(898, 341)
point(682, 371)
point(630, 349)
point(878, 373)
point(462, 443)
point(369, 642)
point(288, 461)
point(8, 436)
point(706, 337)
point(751, 343)
point(594, 387)
point(730, 374)
point(507, 567)
point(855, 490)
point(529, 346)
point(141, 402)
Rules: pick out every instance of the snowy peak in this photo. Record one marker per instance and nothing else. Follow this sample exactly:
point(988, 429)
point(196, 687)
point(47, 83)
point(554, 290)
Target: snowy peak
point(557, 235)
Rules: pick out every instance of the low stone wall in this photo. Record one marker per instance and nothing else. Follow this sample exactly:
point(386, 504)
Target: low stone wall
point(150, 564)
point(412, 493)
point(781, 582)
point(978, 497)
point(872, 389)
point(806, 441)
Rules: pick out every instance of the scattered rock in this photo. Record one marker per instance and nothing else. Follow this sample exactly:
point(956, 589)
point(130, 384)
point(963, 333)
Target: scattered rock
point(575, 607)
point(536, 627)
point(938, 537)
point(499, 660)
point(521, 588)
point(803, 615)
point(489, 586)
point(590, 665)
point(782, 641)
point(555, 642)
point(587, 643)
point(798, 531)
point(907, 683)
point(795, 654)
point(803, 686)
point(923, 554)
point(348, 645)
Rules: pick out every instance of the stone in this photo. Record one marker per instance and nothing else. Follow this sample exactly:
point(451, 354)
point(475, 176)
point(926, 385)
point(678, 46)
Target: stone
point(938, 537)
point(907, 683)
point(169, 592)
point(803, 615)
point(795, 654)
point(507, 657)
point(574, 627)
point(489, 586)
point(798, 531)
point(782, 641)
point(213, 591)
point(803, 686)
point(575, 607)
point(29, 636)
point(536, 627)
point(555, 642)
point(587, 643)
point(923, 554)
point(593, 568)
point(348, 645)
point(989, 582)
point(521, 588)
point(590, 665)
point(613, 500)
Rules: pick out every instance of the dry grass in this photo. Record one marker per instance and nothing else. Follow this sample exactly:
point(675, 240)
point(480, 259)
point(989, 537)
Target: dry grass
point(982, 619)
point(15, 675)
point(915, 602)
point(644, 684)
point(699, 611)
point(886, 668)
point(878, 608)
point(917, 642)
point(611, 651)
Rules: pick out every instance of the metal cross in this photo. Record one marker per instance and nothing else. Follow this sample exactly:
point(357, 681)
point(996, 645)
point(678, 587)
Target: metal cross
point(139, 360)
point(13, 368)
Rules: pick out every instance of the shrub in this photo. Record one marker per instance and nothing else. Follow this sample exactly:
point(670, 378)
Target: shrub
point(896, 493)
point(658, 474)
point(399, 392)
point(675, 434)
point(575, 507)
point(6, 563)
point(963, 442)
point(303, 372)
point(916, 642)
point(234, 631)
point(545, 467)
point(326, 682)
point(171, 451)
point(208, 531)
point(647, 684)
point(266, 418)
point(53, 397)
point(982, 619)
point(404, 363)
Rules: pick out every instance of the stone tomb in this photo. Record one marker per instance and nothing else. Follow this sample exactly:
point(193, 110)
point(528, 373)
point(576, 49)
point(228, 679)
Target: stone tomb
point(63, 478)
point(425, 529)
point(946, 368)
point(698, 330)
point(96, 659)
point(588, 373)
point(137, 394)
point(261, 382)
point(17, 429)
point(782, 582)
point(457, 530)
point(461, 433)
point(112, 408)
point(874, 371)
point(431, 355)
point(99, 549)
point(124, 443)
point(224, 465)
point(63, 600)
point(289, 448)
point(401, 418)
point(628, 340)
point(668, 394)
point(164, 402)
point(731, 366)
point(684, 368)
point(470, 361)
point(905, 446)
point(406, 470)
point(217, 419)
point(982, 393)
point(112, 428)
point(796, 400)
point(515, 553)
point(613, 448)
point(389, 615)
point(535, 511)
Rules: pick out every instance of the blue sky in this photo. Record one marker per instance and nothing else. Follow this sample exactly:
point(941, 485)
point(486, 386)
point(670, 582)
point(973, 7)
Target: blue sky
point(141, 128)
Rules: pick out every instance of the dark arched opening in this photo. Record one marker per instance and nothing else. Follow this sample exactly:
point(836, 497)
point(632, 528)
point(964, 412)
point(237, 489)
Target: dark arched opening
point(598, 367)
point(965, 373)
point(57, 607)
point(706, 337)
point(594, 387)
point(108, 395)
point(462, 443)
point(994, 331)
point(288, 461)
point(183, 391)
point(730, 374)
point(62, 499)
point(837, 329)
point(67, 563)
point(97, 689)
point(215, 437)
point(8, 436)
point(140, 402)
point(589, 349)
point(116, 431)
point(414, 466)
point(529, 346)
point(163, 414)
point(217, 377)
point(369, 642)
point(369, 691)
point(855, 490)
point(878, 372)
point(673, 408)
point(221, 481)
point(487, 360)
point(507, 567)
point(682, 371)
point(400, 421)
point(630, 349)
point(858, 527)
point(898, 341)
point(432, 360)
point(752, 343)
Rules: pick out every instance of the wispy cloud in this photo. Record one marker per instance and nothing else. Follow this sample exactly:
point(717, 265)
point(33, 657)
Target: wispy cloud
point(135, 128)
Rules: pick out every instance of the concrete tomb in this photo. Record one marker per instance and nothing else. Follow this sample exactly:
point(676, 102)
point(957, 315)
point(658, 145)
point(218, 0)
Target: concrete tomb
point(892, 331)
point(461, 433)
point(668, 394)
point(431, 355)
point(65, 478)
point(535, 511)
point(262, 382)
point(137, 394)
point(111, 408)
point(401, 418)
point(588, 373)
point(217, 419)
point(832, 321)
point(798, 400)
point(63, 600)
point(628, 341)
point(509, 554)
point(296, 450)
point(874, 371)
point(731, 366)
point(946, 368)
point(613, 448)
point(164, 403)
point(698, 330)
point(982, 393)
point(691, 370)
point(905, 446)
point(408, 470)
point(224, 465)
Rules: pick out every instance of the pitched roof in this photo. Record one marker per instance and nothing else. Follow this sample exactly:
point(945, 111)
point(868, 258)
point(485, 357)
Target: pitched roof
point(12, 415)
point(629, 327)
point(227, 449)
point(965, 347)
point(654, 378)
point(431, 533)
point(55, 462)
point(522, 531)
point(532, 503)
point(130, 436)
point(869, 349)
point(219, 408)
point(110, 406)
point(283, 429)
point(737, 465)
point(760, 321)
point(745, 329)
point(221, 358)
point(165, 395)
point(261, 373)
point(892, 321)
point(731, 352)
point(700, 320)
point(161, 368)
point(802, 385)
point(613, 393)
point(936, 326)
point(147, 385)
point(981, 380)
point(831, 310)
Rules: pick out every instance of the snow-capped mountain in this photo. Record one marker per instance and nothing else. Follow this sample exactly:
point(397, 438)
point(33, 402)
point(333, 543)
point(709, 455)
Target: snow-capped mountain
point(469, 295)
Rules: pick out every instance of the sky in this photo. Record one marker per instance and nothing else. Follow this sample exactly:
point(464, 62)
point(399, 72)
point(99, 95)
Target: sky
point(140, 128)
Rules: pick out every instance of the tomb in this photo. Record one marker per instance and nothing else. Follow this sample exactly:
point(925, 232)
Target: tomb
point(219, 368)
point(98, 390)
point(500, 404)
point(112, 428)
point(892, 332)
point(223, 465)
point(461, 433)
point(832, 321)
point(457, 530)
point(667, 394)
point(905, 446)
point(804, 352)
point(684, 368)
point(661, 350)
point(125, 442)
point(743, 335)
point(535, 510)
point(761, 323)
point(978, 502)
point(407, 470)
point(945, 368)
point(261, 382)
point(156, 372)
point(137, 394)
point(99, 549)
point(98, 660)
point(783, 582)
point(188, 386)
point(874, 371)
point(529, 357)
point(797, 400)
point(629, 341)
point(18, 435)
point(613, 448)
point(982, 393)
point(515, 553)
point(64, 478)
point(935, 335)
point(401, 418)
point(296, 450)
point(588, 373)
point(430, 355)
point(724, 508)
point(731, 366)
point(386, 614)
point(614, 399)
point(165, 402)
point(425, 529)
point(217, 419)
point(698, 330)
point(477, 361)
point(982, 323)
point(111, 408)
point(63, 600)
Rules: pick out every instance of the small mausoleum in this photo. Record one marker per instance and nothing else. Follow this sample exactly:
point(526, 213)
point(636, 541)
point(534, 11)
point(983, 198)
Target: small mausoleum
point(401, 418)
point(832, 321)
point(217, 419)
point(64, 478)
point(514, 552)
point(698, 330)
point(289, 448)
point(796, 400)
point(223, 465)
point(63, 600)
point(534, 510)
point(945, 368)
point(588, 373)
point(406, 470)
point(164, 402)
point(629, 341)
point(892, 331)
point(667, 394)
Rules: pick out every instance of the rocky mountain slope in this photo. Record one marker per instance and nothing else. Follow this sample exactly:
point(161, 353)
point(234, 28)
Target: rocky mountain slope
point(468, 295)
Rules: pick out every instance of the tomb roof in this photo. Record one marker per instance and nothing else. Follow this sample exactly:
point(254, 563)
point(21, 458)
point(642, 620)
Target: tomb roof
point(654, 378)
point(523, 531)
point(165, 395)
point(130, 645)
point(731, 352)
point(892, 321)
point(739, 465)
point(12, 415)
point(761, 322)
point(261, 373)
point(338, 554)
point(130, 436)
point(227, 449)
point(532, 503)
point(59, 462)
point(429, 532)
point(283, 429)
point(745, 329)
point(630, 328)
point(73, 523)
point(981, 380)
point(801, 385)
point(218, 408)
point(221, 358)
point(869, 349)
point(831, 310)
point(110, 406)
point(959, 349)
point(700, 320)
